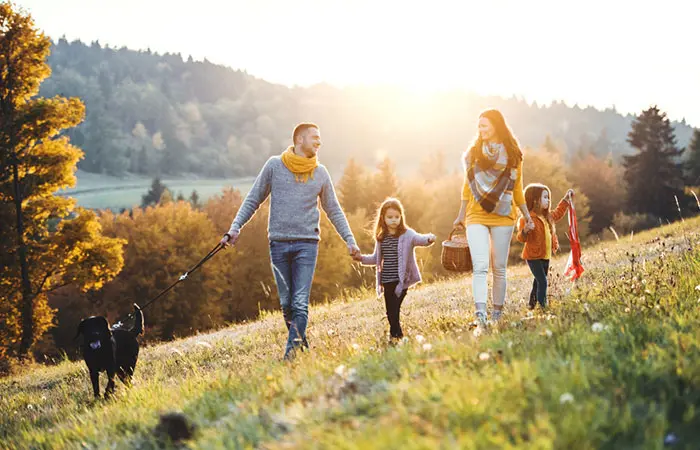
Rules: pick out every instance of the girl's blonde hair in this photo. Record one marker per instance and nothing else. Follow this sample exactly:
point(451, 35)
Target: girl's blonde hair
point(380, 228)
point(533, 194)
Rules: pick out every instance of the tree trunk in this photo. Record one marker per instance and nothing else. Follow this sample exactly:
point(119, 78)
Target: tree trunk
point(27, 298)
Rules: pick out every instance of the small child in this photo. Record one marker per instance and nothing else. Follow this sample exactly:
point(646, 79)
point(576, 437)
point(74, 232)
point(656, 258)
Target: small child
point(540, 242)
point(395, 259)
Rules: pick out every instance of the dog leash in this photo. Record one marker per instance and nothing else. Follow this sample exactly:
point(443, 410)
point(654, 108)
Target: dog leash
point(182, 278)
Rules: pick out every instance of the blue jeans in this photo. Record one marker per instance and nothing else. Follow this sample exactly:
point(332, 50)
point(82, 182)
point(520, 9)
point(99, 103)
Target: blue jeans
point(539, 268)
point(293, 265)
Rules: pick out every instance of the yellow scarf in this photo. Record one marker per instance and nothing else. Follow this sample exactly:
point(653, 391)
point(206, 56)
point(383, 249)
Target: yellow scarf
point(302, 167)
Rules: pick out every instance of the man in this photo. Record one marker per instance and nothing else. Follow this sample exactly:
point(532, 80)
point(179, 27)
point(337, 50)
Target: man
point(294, 181)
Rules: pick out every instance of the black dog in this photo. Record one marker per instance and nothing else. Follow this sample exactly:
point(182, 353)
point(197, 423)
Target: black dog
point(112, 350)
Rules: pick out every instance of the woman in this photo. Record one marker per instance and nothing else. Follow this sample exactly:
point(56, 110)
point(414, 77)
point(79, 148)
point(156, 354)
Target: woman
point(493, 189)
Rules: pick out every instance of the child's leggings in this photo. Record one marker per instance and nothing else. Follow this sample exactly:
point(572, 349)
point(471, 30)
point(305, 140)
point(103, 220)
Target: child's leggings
point(393, 308)
point(539, 268)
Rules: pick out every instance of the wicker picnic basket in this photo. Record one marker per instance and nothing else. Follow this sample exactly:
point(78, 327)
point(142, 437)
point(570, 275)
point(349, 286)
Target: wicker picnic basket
point(455, 252)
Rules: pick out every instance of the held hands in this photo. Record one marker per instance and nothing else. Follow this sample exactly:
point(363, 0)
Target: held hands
point(354, 251)
point(529, 225)
point(459, 221)
point(230, 238)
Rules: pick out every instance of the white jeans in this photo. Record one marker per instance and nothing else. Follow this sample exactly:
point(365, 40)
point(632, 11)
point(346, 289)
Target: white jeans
point(485, 241)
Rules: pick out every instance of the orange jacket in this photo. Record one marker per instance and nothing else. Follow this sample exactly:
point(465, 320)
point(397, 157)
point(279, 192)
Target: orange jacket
point(535, 247)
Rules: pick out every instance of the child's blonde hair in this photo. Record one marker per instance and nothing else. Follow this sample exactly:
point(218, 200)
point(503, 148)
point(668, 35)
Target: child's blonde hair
point(533, 194)
point(380, 228)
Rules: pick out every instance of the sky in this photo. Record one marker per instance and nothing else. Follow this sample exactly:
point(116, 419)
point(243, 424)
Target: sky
point(626, 54)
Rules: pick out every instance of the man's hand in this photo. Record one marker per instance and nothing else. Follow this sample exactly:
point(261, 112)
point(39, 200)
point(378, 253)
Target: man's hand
point(230, 238)
point(569, 195)
point(431, 238)
point(354, 251)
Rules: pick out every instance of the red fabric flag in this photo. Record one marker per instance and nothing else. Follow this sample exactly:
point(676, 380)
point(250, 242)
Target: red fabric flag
point(574, 269)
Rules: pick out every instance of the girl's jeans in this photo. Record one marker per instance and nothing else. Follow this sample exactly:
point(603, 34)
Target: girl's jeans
point(539, 268)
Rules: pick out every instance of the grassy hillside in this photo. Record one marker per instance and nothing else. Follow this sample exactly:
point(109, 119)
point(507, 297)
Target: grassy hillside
point(615, 363)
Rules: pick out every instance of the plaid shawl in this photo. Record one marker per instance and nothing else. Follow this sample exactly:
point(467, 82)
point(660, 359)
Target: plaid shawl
point(492, 186)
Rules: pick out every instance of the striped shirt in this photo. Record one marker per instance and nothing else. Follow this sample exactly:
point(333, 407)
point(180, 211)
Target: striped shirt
point(390, 259)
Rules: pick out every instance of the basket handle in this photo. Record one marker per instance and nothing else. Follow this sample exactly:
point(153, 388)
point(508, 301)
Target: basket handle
point(459, 227)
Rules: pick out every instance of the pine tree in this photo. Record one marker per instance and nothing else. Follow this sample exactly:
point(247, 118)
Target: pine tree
point(352, 186)
point(692, 164)
point(654, 174)
point(194, 200)
point(45, 241)
point(154, 194)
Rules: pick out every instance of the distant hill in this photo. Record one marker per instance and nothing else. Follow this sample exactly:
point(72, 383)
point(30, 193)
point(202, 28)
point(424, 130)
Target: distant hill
point(154, 114)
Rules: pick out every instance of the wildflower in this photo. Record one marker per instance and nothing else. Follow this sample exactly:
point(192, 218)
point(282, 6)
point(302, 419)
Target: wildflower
point(477, 332)
point(340, 370)
point(510, 344)
point(427, 347)
point(566, 397)
point(597, 327)
point(331, 332)
point(484, 356)
point(420, 339)
point(355, 347)
point(548, 333)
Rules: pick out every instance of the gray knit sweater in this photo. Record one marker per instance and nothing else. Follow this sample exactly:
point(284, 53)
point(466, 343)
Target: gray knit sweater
point(294, 212)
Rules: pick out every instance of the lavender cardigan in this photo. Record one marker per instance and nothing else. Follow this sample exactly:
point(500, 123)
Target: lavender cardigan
point(408, 268)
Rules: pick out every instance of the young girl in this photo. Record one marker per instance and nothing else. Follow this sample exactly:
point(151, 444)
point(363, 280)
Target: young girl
point(541, 241)
point(395, 259)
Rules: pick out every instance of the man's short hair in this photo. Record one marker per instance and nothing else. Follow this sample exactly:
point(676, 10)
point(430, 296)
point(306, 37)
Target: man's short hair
point(301, 128)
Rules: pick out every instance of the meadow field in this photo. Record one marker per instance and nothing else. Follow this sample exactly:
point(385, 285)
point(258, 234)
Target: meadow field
point(96, 191)
point(614, 363)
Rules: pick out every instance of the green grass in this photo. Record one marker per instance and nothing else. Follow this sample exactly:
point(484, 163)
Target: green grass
point(615, 363)
point(107, 192)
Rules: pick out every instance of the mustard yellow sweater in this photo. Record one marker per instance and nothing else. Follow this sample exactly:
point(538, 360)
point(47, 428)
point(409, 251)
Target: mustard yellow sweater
point(475, 214)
